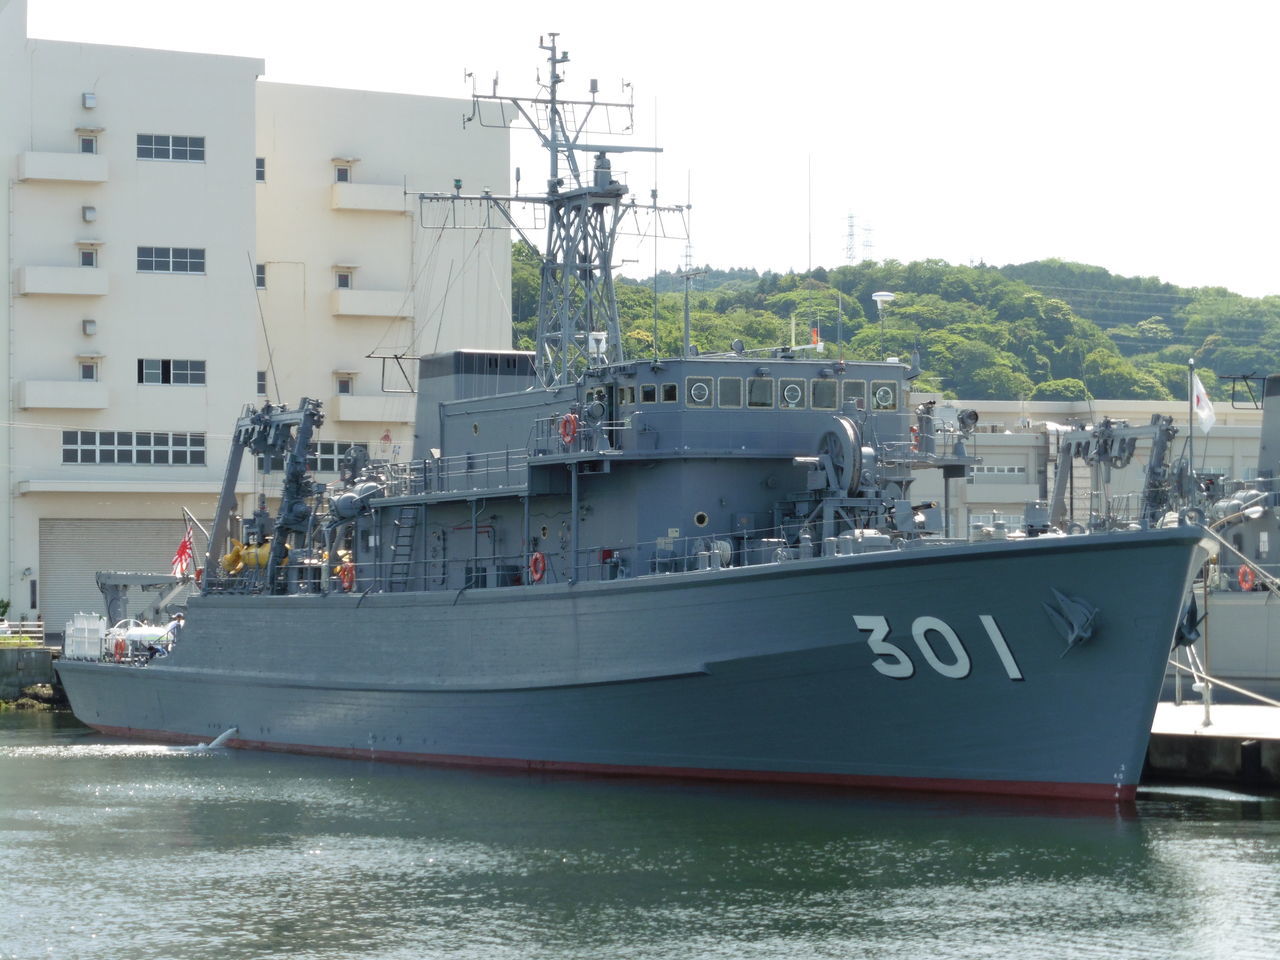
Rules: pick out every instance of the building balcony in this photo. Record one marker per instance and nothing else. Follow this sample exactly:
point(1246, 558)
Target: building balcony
point(62, 281)
point(371, 303)
point(61, 395)
point(62, 167)
point(383, 408)
point(370, 197)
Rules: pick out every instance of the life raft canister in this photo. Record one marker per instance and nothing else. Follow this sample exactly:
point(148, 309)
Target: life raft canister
point(537, 566)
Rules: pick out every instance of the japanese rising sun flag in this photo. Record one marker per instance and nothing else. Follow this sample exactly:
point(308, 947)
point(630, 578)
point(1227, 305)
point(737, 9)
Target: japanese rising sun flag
point(184, 561)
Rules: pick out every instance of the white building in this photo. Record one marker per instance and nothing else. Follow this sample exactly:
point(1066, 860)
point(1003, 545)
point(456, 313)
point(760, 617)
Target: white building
point(1018, 445)
point(182, 237)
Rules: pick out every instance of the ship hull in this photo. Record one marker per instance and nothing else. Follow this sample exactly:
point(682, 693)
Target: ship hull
point(936, 669)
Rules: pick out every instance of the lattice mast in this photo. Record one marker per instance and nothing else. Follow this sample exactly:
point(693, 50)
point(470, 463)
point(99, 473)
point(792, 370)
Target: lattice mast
point(577, 311)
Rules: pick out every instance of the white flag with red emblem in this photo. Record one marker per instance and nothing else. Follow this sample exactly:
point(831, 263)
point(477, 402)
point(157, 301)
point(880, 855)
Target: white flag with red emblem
point(184, 560)
point(1201, 403)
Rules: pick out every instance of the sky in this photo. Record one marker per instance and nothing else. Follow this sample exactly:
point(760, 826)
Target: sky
point(1137, 136)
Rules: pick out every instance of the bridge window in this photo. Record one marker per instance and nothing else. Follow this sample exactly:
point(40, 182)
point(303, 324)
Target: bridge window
point(648, 393)
point(791, 394)
point(760, 392)
point(884, 395)
point(731, 391)
point(697, 391)
point(855, 390)
point(670, 393)
point(825, 393)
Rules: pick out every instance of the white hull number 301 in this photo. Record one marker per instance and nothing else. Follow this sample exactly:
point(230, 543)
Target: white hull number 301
point(893, 661)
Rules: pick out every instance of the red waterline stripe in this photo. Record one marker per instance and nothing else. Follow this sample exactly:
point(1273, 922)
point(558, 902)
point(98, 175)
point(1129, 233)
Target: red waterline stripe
point(1110, 792)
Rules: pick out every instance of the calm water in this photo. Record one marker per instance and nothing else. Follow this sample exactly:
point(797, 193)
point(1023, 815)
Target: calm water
point(131, 852)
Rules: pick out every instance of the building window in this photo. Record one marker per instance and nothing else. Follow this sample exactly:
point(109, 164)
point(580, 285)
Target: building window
point(997, 473)
point(163, 146)
point(342, 174)
point(345, 385)
point(133, 447)
point(88, 371)
point(88, 144)
point(260, 169)
point(88, 257)
point(323, 456)
point(178, 372)
point(262, 383)
point(260, 275)
point(343, 279)
point(171, 260)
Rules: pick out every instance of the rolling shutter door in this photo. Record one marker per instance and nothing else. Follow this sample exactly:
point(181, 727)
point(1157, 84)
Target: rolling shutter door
point(73, 551)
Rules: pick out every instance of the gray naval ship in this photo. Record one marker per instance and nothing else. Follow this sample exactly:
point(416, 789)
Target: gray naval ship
point(1230, 639)
point(699, 566)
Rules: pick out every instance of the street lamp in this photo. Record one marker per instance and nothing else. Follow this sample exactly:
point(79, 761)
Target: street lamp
point(881, 297)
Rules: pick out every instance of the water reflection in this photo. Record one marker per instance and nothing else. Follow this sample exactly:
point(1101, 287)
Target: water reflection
point(154, 852)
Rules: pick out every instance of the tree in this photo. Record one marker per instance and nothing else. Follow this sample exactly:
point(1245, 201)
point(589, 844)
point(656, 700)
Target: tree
point(1114, 377)
point(1060, 390)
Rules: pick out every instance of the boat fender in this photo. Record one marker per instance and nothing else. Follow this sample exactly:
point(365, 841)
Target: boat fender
point(1245, 578)
point(568, 428)
point(537, 564)
point(119, 649)
point(347, 575)
point(915, 439)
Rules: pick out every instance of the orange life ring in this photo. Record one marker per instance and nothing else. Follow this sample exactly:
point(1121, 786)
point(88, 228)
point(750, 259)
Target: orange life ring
point(1244, 576)
point(568, 428)
point(537, 566)
point(347, 575)
point(119, 649)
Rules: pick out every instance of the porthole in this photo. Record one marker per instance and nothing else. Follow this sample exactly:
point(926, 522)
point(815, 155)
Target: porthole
point(697, 391)
point(884, 395)
point(701, 519)
point(791, 394)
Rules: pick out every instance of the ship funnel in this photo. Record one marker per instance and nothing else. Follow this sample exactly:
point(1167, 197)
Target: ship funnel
point(1269, 446)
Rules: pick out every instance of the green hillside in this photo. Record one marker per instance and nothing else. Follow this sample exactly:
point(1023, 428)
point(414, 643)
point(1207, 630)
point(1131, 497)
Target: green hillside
point(1048, 330)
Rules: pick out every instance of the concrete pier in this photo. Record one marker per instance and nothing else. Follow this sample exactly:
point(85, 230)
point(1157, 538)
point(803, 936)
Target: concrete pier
point(1241, 744)
point(22, 666)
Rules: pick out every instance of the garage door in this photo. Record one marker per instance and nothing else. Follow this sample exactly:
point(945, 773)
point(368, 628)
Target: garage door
point(73, 551)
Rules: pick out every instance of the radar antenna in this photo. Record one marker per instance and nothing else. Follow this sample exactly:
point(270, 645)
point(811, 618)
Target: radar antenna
point(585, 210)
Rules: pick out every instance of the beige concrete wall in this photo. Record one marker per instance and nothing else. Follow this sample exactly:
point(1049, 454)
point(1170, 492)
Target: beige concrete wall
point(415, 287)
point(450, 288)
